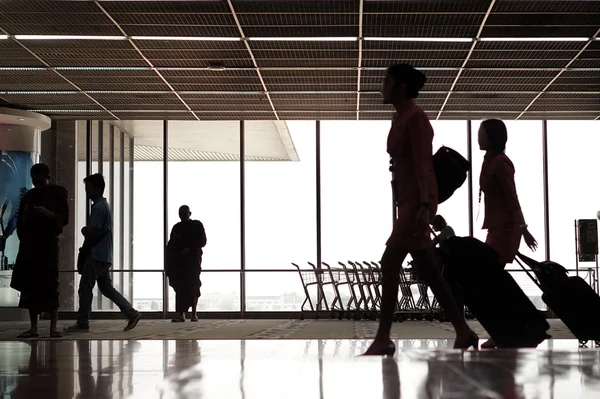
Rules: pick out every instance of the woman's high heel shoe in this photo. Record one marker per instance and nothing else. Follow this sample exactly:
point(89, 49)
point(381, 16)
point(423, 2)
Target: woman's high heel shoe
point(389, 350)
point(471, 341)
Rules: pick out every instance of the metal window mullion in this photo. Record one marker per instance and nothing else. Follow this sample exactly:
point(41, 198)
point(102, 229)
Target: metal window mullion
point(242, 218)
point(165, 212)
point(318, 209)
point(546, 189)
point(470, 175)
point(88, 163)
point(100, 139)
point(111, 195)
point(122, 205)
point(130, 205)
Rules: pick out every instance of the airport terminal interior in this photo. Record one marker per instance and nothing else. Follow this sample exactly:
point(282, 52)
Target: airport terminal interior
point(266, 119)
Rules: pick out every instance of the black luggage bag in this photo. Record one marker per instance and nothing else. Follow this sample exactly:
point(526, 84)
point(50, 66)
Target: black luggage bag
point(479, 280)
point(571, 298)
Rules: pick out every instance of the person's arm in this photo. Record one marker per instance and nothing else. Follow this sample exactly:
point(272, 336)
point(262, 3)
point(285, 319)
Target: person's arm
point(505, 172)
point(420, 131)
point(95, 228)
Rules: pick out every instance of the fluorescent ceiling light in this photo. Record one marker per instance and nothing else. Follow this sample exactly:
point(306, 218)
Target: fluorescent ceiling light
point(3, 37)
point(304, 39)
point(188, 38)
point(24, 92)
point(67, 37)
point(421, 39)
point(534, 39)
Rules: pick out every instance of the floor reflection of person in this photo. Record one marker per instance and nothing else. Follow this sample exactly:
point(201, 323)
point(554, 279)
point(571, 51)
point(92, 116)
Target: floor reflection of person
point(414, 186)
point(184, 263)
point(40, 379)
point(44, 211)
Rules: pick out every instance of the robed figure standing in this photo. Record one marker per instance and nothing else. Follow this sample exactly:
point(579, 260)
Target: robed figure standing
point(43, 212)
point(184, 263)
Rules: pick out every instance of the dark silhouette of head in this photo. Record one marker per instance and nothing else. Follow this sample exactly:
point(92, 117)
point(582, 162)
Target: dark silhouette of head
point(184, 213)
point(94, 186)
point(40, 175)
point(492, 136)
point(402, 82)
point(439, 223)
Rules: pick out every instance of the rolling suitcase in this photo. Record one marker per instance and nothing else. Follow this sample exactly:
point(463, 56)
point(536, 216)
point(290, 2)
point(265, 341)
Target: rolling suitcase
point(478, 279)
point(571, 298)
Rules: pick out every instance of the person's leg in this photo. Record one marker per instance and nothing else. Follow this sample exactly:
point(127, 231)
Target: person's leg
point(429, 271)
point(194, 307)
point(179, 307)
point(33, 329)
point(107, 289)
point(391, 262)
point(87, 282)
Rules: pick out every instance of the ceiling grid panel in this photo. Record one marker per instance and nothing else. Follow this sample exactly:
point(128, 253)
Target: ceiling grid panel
point(360, 49)
point(561, 72)
point(101, 7)
point(258, 73)
point(465, 62)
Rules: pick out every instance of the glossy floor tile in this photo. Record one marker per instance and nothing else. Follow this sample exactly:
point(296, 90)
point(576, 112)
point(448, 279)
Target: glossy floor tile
point(265, 369)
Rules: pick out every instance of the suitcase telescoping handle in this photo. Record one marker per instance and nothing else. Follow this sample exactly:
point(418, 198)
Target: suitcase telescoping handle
point(533, 278)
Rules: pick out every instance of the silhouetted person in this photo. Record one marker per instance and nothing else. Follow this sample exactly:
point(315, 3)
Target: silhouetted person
point(415, 192)
point(98, 245)
point(441, 227)
point(503, 219)
point(43, 212)
point(184, 263)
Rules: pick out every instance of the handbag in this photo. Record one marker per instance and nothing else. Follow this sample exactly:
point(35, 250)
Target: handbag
point(85, 251)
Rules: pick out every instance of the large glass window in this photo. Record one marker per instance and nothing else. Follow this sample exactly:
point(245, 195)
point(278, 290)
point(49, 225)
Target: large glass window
point(148, 238)
point(204, 173)
point(356, 198)
point(280, 210)
point(524, 148)
point(573, 191)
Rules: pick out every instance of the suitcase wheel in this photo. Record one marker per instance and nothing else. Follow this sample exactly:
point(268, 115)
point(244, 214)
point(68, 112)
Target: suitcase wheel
point(582, 343)
point(597, 342)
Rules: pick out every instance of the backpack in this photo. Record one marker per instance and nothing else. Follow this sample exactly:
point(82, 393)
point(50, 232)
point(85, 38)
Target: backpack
point(451, 170)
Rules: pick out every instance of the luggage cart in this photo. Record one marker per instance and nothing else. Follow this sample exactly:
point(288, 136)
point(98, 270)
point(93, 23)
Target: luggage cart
point(353, 305)
point(309, 278)
point(337, 277)
point(370, 310)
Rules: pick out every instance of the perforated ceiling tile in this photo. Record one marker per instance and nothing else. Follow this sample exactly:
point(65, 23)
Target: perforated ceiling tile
point(314, 78)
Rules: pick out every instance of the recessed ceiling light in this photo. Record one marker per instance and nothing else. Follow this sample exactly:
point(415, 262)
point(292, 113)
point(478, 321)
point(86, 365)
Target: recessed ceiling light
point(216, 66)
point(187, 38)
point(67, 37)
point(421, 39)
point(304, 39)
point(534, 39)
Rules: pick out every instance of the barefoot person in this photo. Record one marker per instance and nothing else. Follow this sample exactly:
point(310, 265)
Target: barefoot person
point(503, 219)
point(415, 193)
point(184, 263)
point(98, 247)
point(43, 212)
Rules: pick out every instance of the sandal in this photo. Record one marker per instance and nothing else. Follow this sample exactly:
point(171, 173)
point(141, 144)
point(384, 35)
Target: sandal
point(56, 334)
point(28, 334)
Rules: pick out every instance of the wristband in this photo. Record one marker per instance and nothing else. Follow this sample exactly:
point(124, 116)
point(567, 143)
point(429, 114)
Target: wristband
point(523, 226)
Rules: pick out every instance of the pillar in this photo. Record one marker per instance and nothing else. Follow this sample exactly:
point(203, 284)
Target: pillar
point(59, 152)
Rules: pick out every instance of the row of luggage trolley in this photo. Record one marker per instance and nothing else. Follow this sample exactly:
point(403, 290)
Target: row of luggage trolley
point(352, 290)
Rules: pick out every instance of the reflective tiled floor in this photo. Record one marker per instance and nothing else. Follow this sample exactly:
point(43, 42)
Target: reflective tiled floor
point(263, 369)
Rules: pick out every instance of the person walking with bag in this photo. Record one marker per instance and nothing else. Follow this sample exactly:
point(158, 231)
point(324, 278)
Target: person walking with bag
point(416, 197)
point(503, 217)
point(95, 259)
